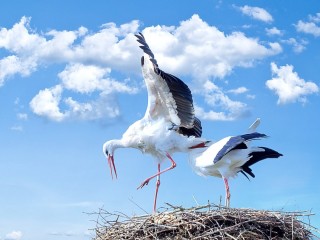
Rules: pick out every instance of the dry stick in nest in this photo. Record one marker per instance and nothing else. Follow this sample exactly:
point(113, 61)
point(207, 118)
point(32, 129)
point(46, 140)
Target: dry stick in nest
point(205, 222)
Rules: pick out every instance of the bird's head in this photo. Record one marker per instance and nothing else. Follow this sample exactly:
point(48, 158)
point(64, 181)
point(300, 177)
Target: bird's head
point(108, 150)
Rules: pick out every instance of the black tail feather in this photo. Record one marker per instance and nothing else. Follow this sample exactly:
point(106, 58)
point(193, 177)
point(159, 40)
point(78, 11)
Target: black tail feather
point(256, 157)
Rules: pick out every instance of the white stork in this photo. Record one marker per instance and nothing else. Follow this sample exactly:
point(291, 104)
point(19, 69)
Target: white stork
point(169, 124)
point(230, 156)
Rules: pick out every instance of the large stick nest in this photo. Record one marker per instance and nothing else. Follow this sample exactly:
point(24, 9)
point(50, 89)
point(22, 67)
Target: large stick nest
point(205, 222)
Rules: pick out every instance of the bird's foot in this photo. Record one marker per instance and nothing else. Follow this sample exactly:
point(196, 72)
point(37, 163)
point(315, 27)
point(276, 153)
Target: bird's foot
point(146, 182)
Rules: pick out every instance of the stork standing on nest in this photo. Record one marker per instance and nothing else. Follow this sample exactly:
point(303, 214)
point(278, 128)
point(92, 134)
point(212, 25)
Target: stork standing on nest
point(230, 156)
point(169, 124)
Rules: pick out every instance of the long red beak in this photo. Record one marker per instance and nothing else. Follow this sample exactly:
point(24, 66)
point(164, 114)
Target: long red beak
point(112, 166)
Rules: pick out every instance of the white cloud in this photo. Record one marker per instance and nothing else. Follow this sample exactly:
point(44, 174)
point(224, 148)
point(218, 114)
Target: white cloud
point(298, 46)
point(17, 128)
point(104, 106)
point(239, 90)
point(251, 96)
point(46, 103)
point(203, 51)
point(82, 78)
point(192, 48)
point(89, 78)
point(15, 235)
point(288, 85)
point(308, 27)
point(11, 65)
point(273, 31)
point(22, 116)
point(225, 109)
point(256, 13)
point(315, 18)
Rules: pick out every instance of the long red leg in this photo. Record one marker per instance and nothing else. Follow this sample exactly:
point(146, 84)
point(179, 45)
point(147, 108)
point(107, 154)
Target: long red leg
point(156, 193)
point(227, 192)
point(145, 182)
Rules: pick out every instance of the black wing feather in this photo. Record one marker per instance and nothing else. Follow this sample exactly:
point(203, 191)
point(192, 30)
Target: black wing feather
point(258, 156)
point(179, 90)
point(195, 131)
point(237, 142)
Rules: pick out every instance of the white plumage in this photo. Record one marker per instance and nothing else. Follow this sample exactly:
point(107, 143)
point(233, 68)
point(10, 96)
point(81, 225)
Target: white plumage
point(169, 124)
point(231, 155)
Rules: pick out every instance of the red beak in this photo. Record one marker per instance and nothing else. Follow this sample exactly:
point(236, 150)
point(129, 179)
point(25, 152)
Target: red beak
point(112, 166)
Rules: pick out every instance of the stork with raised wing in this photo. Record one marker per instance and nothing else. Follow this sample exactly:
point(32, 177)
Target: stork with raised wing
point(169, 124)
point(230, 156)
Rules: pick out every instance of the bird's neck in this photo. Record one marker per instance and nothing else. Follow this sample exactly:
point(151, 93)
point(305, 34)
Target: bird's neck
point(120, 143)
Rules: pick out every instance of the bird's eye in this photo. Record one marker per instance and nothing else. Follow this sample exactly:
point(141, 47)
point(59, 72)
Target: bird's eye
point(107, 153)
point(142, 61)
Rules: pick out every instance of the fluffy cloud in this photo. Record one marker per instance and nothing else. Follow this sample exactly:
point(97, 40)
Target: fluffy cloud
point(310, 27)
point(192, 48)
point(289, 86)
point(315, 18)
point(89, 78)
point(82, 78)
point(273, 31)
point(225, 108)
point(256, 13)
point(46, 103)
point(208, 51)
point(298, 46)
point(15, 235)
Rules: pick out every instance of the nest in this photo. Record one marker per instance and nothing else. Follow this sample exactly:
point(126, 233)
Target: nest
point(205, 222)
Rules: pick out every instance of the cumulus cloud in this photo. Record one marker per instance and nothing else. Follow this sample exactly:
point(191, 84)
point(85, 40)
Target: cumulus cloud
point(208, 51)
point(315, 18)
point(15, 235)
point(257, 13)
point(309, 27)
point(298, 46)
point(89, 78)
point(192, 48)
point(46, 103)
point(288, 86)
point(273, 31)
point(225, 109)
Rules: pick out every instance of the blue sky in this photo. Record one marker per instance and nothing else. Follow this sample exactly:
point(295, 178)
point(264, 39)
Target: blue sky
point(70, 80)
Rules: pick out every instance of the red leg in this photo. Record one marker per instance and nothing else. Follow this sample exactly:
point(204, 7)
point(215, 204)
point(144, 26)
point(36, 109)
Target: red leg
point(159, 173)
point(156, 193)
point(227, 192)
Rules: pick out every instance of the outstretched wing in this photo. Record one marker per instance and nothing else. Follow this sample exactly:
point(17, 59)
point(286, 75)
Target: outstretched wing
point(168, 96)
point(237, 142)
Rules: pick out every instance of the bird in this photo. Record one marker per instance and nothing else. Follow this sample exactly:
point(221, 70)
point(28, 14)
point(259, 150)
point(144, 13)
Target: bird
point(169, 124)
point(231, 155)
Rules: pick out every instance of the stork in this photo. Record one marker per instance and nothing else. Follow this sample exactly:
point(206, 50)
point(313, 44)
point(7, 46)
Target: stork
point(230, 156)
point(169, 124)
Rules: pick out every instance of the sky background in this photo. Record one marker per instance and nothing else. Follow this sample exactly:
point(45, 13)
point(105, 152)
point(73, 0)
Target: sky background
point(70, 79)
